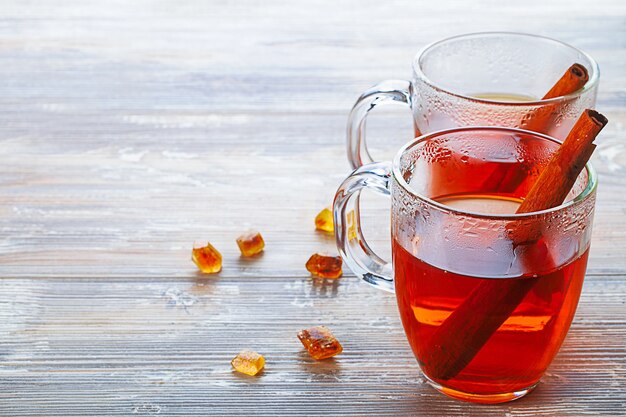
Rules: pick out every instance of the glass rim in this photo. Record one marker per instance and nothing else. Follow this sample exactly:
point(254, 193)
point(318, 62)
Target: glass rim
point(589, 190)
point(591, 83)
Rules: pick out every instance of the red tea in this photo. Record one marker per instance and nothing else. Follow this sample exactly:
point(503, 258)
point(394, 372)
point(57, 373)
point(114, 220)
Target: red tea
point(520, 350)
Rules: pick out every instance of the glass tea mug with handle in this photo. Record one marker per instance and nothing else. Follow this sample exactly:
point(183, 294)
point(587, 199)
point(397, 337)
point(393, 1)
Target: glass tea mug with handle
point(453, 233)
point(482, 79)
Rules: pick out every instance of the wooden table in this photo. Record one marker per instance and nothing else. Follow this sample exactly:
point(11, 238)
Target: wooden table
point(129, 130)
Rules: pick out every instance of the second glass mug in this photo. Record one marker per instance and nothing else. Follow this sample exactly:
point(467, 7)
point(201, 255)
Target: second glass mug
point(450, 77)
point(484, 313)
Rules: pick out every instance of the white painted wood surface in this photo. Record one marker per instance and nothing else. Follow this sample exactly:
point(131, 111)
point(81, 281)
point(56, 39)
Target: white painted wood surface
point(129, 130)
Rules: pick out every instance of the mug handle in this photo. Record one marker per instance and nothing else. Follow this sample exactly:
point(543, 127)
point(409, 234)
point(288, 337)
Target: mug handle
point(386, 92)
point(350, 241)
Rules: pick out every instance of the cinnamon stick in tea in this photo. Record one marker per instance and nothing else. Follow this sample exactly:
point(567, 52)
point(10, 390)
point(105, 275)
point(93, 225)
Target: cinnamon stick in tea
point(571, 81)
point(466, 330)
point(558, 178)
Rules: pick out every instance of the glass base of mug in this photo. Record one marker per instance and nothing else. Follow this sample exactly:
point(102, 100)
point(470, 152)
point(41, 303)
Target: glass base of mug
point(480, 398)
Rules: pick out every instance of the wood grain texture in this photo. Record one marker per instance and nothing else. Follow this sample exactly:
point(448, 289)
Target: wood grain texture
point(129, 130)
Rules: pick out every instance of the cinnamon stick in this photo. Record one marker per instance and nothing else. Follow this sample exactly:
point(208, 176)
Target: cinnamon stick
point(466, 330)
point(571, 81)
point(557, 179)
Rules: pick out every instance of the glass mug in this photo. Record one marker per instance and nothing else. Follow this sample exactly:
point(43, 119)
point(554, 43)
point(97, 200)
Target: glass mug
point(482, 79)
point(484, 312)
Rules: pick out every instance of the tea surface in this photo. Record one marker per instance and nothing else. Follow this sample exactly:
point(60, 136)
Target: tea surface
point(505, 97)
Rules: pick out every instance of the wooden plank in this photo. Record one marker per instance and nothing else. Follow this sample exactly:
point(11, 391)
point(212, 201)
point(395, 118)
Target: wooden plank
point(135, 205)
point(117, 346)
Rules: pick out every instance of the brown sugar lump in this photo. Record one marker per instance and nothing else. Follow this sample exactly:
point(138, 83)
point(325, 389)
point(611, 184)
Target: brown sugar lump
point(324, 266)
point(324, 221)
point(320, 342)
point(248, 362)
point(250, 243)
point(207, 258)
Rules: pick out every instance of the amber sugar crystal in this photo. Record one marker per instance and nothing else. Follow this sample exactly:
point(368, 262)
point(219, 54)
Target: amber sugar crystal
point(248, 362)
point(250, 243)
point(320, 342)
point(324, 221)
point(324, 266)
point(207, 258)
point(351, 226)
